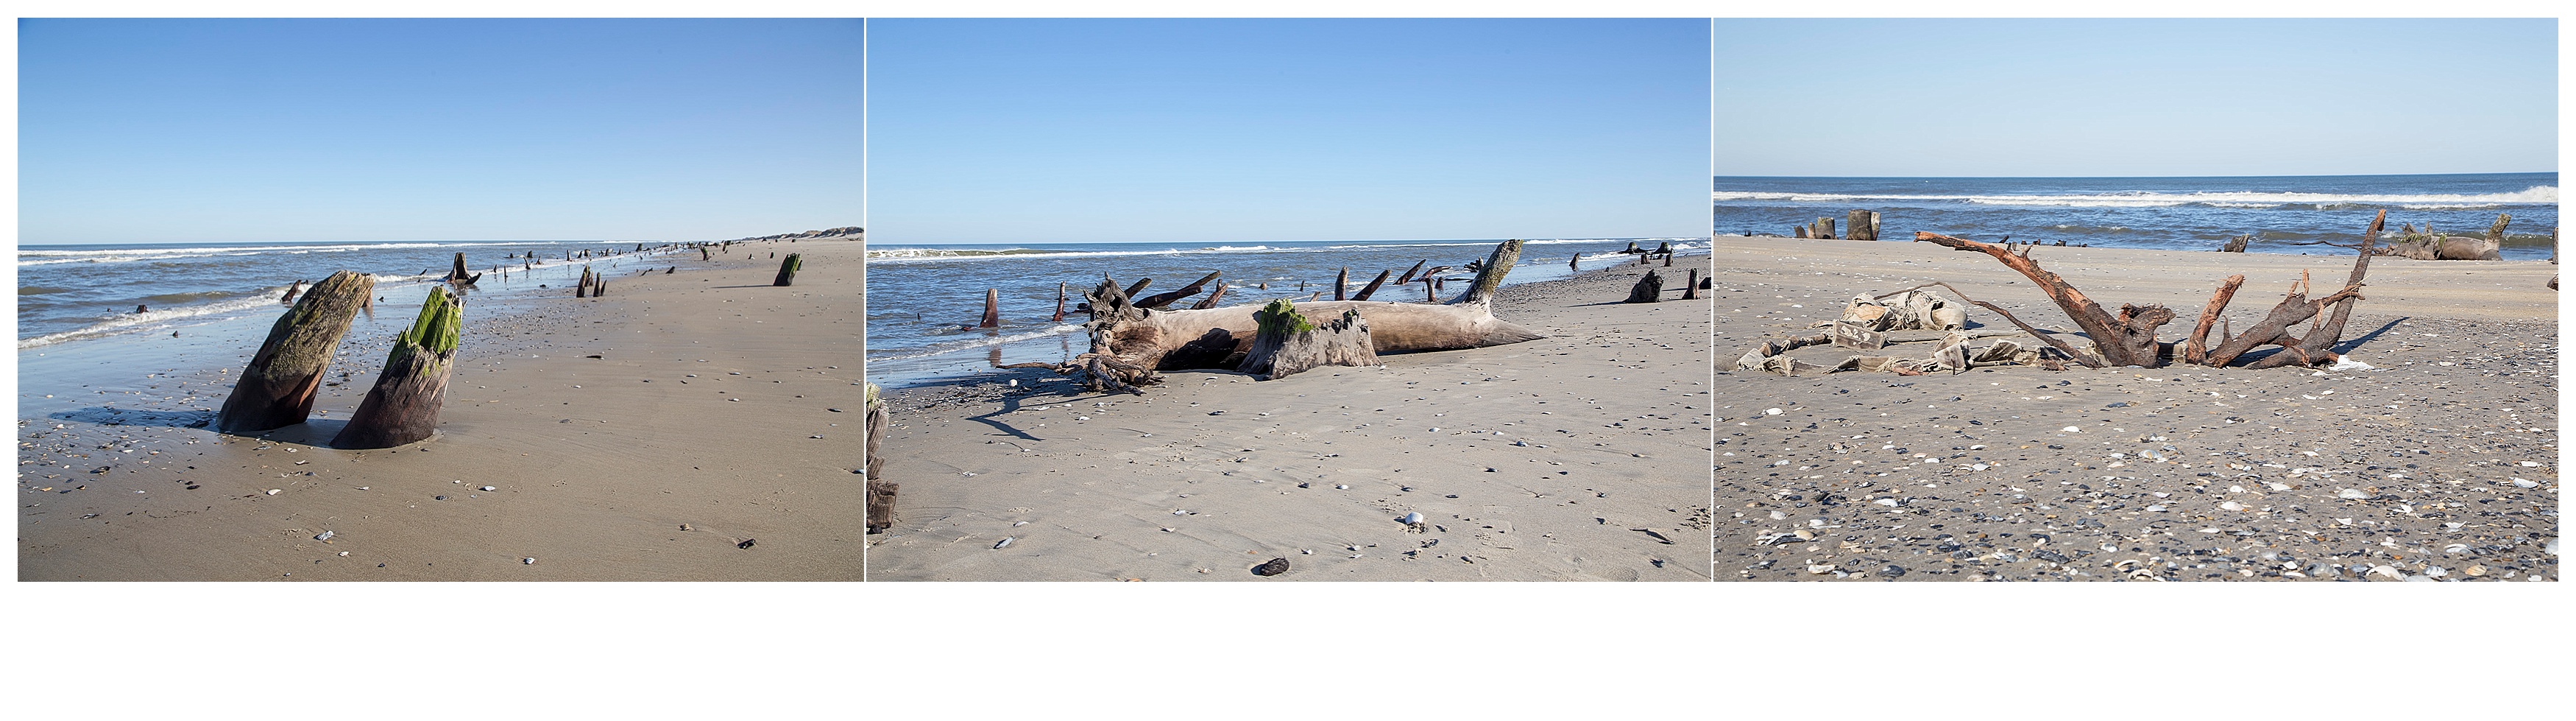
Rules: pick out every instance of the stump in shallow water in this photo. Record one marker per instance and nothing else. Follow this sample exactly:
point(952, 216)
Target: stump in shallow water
point(403, 406)
point(1286, 343)
point(276, 389)
point(787, 269)
point(1648, 289)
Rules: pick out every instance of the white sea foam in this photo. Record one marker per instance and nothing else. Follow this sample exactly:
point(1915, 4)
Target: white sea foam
point(2534, 195)
point(946, 347)
point(159, 318)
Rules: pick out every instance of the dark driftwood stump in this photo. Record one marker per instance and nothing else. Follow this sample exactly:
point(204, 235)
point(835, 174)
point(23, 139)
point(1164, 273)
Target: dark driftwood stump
point(457, 274)
point(276, 390)
point(992, 309)
point(403, 406)
point(881, 493)
point(1864, 225)
point(787, 269)
point(1690, 289)
point(2237, 244)
point(1287, 344)
point(1648, 289)
point(1160, 301)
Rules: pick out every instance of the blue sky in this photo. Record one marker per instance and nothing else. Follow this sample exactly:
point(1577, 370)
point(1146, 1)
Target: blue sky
point(1250, 130)
point(270, 130)
point(2135, 97)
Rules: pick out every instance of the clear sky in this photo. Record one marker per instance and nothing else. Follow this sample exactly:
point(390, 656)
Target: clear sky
point(281, 130)
point(1249, 130)
point(2135, 97)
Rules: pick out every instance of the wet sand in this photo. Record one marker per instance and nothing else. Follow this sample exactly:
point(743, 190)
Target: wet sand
point(2439, 465)
point(705, 398)
point(1581, 456)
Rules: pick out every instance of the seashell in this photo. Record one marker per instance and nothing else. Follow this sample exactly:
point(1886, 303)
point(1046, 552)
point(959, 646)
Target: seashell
point(2355, 494)
point(2155, 509)
point(275, 491)
point(2390, 571)
point(2456, 548)
point(344, 553)
point(1772, 412)
point(2279, 487)
point(531, 560)
point(1413, 517)
point(1888, 502)
point(490, 488)
point(1821, 569)
point(1778, 516)
point(1341, 487)
point(1805, 535)
point(1006, 543)
point(2476, 570)
point(325, 535)
point(2071, 429)
point(2232, 506)
point(2524, 483)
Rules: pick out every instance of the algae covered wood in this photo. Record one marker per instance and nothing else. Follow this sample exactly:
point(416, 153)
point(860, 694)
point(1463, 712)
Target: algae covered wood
point(403, 406)
point(787, 269)
point(1286, 343)
point(276, 389)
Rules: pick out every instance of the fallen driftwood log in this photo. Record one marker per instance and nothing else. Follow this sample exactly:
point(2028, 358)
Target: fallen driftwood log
point(787, 269)
point(276, 389)
point(402, 407)
point(291, 291)
point(1285, 343)
point(881, 493)
point(2126, 339)
point(1160, 301)
point(1129, 344)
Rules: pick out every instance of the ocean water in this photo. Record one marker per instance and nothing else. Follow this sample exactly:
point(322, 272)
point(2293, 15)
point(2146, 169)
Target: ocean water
point(84, 354)
point(72, 293)
point(2160, 213)
point(923, 300)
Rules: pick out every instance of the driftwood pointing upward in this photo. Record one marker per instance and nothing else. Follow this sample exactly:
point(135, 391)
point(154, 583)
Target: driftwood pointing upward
point(2196, 349)
point(1059, 303)
point(1648, 289)
point(2237, 244)
point(1408, 273)
point(1690, 290)
point(403, 406)
point(291, 291)
point(276, 389)
point(1341, 282)
point(2319, 345)
point(992, 309)
point(1285, 343)
point(787, 269)
point(1211, 300)
point(1371, 288)
point(2123, 340)
point(1160, 301)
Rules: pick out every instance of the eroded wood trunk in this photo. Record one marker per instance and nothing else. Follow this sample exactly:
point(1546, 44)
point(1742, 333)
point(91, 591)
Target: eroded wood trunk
point(787, 269)
point(1286, 343)
point(276, 389)
point(402, 408)
point(881, 492)
point(1648, 289)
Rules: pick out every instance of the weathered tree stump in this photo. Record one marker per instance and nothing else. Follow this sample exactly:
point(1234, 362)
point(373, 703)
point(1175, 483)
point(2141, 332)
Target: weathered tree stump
point(403, 406)
point(276, 389)
point(1648, 289)
point(1286, 344)
point(1690, 290)
point(881, 493)
point(457, 274)
point(787, 269)
point(1059, 303)
point(2237, 244)
point(291, 291)
point(992, 309)
point(1341, 283)
point(1823, 230)
point(1864, 225)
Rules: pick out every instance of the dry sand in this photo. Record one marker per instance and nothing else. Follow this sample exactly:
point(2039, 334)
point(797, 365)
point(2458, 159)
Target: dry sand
point(2243, 475)
point(705, 397)
point(1212, 473)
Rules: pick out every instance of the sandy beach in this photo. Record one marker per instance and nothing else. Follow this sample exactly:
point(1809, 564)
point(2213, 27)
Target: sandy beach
point(1580, 456)
point(2439, 464)
point(696, 425)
